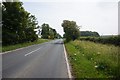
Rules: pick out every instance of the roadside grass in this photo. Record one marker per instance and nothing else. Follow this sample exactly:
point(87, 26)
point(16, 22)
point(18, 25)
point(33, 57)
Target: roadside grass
point(16, 46)
point(92, 60)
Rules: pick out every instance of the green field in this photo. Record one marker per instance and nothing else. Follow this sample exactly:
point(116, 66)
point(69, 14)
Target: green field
point(92, 60)
point(12, 47)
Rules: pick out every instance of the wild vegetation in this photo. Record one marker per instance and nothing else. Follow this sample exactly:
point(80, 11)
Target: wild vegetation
point(93, 60)
point(88, 57)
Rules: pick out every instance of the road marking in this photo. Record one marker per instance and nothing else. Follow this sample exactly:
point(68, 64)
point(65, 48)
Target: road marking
point(16, 49)
point(68, 67)
point(22, 48)
point(32, 52)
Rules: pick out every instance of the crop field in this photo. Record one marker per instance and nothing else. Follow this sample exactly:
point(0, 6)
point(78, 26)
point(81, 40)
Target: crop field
point(93, 60)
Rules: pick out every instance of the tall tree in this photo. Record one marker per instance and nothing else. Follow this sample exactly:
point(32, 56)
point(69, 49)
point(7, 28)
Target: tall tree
point(17, 23)
point(45, 31)
point(71, 30)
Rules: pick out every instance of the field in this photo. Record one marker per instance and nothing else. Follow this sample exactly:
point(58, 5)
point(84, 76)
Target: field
point(12, 47)
point(92, 60)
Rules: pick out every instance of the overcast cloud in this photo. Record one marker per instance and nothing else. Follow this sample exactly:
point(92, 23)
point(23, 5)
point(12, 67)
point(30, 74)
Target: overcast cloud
point(100, 16)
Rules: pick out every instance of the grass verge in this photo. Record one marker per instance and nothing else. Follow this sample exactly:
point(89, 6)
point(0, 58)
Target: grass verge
point(92, 60)
point(16, 46)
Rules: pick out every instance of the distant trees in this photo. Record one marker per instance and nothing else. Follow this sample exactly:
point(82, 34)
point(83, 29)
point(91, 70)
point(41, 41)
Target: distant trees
point(48, 32)
point(89, 33)
point(71, 30)
point(17, 24)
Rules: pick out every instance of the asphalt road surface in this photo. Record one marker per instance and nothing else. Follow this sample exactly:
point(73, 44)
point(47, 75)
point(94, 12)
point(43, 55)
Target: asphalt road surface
point(46, 60)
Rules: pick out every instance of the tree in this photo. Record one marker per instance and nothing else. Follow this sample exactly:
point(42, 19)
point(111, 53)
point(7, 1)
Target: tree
point(48, 32)
point(18, 25)
point(58, 36)
point(55, 33)
point(51, 34)
point(71, 30)
point(45, 31)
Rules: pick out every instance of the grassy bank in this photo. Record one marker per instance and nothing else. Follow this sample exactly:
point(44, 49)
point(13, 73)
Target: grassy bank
point(16, 46)
point(92, 60)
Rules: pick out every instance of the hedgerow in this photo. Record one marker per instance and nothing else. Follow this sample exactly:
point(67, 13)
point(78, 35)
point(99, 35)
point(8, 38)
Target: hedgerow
point(115, 40)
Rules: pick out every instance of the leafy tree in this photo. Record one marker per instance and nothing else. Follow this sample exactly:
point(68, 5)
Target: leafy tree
point(51, 34)
point(18, 25)
point(55, 33)
point(48, 32)
point(45, 31)
point(71, 30)
point(58, 36)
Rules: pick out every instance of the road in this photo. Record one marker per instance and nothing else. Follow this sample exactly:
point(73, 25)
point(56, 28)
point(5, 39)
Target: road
point(46, 60)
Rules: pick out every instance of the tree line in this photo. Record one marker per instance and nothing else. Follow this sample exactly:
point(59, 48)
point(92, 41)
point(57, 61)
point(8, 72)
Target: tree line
point(48, 32)
point(89, 33)
point(18, 25)
point(115, 40)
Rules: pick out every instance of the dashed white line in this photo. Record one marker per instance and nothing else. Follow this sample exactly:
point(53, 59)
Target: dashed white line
point(31, 52)
point(68, 67)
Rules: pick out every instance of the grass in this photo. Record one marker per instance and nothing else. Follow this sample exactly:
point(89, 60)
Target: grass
point(16, 46)
point(92, 60)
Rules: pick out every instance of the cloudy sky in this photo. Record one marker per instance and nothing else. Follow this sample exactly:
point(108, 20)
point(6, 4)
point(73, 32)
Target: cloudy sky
point(92, 15)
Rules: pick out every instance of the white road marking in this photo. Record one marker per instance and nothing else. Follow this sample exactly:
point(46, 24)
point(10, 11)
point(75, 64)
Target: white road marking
point(22, 48)
point(16, 49)
point(31, 52)
point(68, 67)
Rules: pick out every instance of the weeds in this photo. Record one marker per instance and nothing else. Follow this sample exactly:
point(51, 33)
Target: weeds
point(92, 60)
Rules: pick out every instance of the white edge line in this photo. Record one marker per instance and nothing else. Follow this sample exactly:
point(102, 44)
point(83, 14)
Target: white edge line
point(31, 52)
point(67, 63)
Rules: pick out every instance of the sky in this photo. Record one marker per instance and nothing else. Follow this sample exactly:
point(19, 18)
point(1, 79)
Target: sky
point(91, 15)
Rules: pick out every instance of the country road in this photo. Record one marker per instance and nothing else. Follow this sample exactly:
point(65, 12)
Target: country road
point(46, 60)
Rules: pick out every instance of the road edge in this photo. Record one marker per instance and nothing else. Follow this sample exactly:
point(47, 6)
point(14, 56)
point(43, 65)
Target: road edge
point(67, 63)
point(21, 48)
